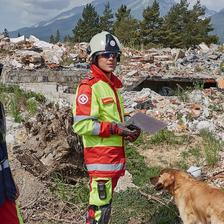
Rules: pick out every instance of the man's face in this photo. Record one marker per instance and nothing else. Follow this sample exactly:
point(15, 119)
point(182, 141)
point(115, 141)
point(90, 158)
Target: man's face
point(107, 64)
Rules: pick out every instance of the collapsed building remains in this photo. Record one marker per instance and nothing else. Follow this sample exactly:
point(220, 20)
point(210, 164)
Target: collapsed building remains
point(36, 62)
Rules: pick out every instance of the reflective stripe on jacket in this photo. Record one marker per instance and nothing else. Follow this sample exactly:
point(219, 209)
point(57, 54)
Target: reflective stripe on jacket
point(98, 103)
point(7, 186)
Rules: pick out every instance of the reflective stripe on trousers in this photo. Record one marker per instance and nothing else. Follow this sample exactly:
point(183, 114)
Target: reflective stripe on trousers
point(104, 167)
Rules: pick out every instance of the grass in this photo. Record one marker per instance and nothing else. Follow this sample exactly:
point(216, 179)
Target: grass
point(221, 68)
point(212, 147)
point(13, 98)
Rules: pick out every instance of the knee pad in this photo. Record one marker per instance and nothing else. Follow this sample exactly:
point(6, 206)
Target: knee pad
point(105, 214)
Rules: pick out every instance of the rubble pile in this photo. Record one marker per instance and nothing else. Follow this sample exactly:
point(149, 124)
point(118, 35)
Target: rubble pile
point(52, 146)
point(167, 59)
point(201, 109)
point(33, 53)
point(199, 63)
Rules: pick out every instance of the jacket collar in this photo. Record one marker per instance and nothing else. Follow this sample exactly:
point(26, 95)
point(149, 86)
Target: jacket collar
point(99, 74)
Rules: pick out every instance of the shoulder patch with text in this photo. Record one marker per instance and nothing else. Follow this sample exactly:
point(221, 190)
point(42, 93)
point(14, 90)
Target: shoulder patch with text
point(108, 100)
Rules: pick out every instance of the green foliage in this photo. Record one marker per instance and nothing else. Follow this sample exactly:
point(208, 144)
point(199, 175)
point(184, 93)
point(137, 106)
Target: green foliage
point(197, 69)
point(215, 107)
point(212, 147)
point(15, 109)
point(38, 97)
point(184, 27)
point(183, 95)
point(13, 98)
point(136, 166)
point(150, 25)
point(87, 27)
point(67, 61)
point(182, 164)
point(66, 38)
point(180, 28)
point(221, 68)
point(197, 154)
point(57, 37)
point(32, 106)
point(106, 21)
point(76, 194)
point(126, 27)
point(164, 136)
point(6, 33)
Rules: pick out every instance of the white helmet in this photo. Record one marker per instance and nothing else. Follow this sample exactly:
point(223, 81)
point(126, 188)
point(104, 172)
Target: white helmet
point(103, 41)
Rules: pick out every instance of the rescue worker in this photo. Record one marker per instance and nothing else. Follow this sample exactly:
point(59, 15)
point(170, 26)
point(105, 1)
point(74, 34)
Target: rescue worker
point(99, 118)
point(9, 191)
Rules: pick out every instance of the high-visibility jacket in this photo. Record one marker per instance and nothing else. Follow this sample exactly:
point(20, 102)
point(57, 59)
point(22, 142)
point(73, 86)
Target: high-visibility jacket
point(98, 103)
point(7, 185)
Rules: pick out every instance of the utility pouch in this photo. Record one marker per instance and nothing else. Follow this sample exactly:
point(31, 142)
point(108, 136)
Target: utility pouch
point(102, 190)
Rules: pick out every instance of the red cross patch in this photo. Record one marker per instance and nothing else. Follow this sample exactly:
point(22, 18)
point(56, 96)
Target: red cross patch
point(83, 99)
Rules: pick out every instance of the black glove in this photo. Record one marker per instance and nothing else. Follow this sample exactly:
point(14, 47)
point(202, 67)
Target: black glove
point(134, 135)
point(125, 129)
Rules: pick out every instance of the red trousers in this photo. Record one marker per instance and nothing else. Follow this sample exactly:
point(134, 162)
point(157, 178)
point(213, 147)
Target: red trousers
point(9, 213)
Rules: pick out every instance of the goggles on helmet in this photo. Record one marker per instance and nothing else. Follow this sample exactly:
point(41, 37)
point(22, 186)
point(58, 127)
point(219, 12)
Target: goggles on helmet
point(108, 54)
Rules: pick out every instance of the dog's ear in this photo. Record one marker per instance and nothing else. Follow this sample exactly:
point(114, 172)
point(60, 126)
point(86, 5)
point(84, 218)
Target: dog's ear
point(167, 179)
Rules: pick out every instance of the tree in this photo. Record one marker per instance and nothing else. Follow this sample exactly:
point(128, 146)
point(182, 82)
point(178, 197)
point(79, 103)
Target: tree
point(173, 25)
point(52, 39)
point(87, 27)
point(19, 34)
point(150, 26)
point(199, 28)
point(106, 22)
point(121, 13)
point(183, 27)
point(126, 32)
point(66, 38)
point(57, 37)
point(6, 33)
point(126, 27)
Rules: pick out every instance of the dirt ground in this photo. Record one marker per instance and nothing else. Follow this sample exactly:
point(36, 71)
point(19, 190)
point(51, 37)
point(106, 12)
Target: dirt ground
point(36, 200)
point(169, 155)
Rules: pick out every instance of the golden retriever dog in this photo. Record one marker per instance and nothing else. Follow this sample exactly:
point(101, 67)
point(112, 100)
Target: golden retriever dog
point(197, 201)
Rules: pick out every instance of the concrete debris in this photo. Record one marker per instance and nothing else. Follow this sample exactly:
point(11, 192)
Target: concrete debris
point(200, 63)
point(39, 53)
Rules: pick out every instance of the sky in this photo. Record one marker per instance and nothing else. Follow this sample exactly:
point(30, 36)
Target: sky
point(16, 14)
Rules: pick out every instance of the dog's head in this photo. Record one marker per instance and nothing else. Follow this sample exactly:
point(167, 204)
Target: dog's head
point(165, 179)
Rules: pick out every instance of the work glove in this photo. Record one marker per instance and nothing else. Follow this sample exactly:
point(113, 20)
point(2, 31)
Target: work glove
point(125, 129)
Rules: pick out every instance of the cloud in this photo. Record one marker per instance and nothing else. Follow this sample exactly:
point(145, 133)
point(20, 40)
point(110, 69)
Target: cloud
point(48, 5)
point(219, 4)
point(21, 13)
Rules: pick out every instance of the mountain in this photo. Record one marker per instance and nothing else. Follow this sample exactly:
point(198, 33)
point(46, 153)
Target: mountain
point(217, 23)
point(208, 12)
point(66, 21)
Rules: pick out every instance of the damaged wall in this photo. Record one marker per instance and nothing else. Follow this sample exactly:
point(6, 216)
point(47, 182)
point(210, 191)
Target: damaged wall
point(65, 77)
